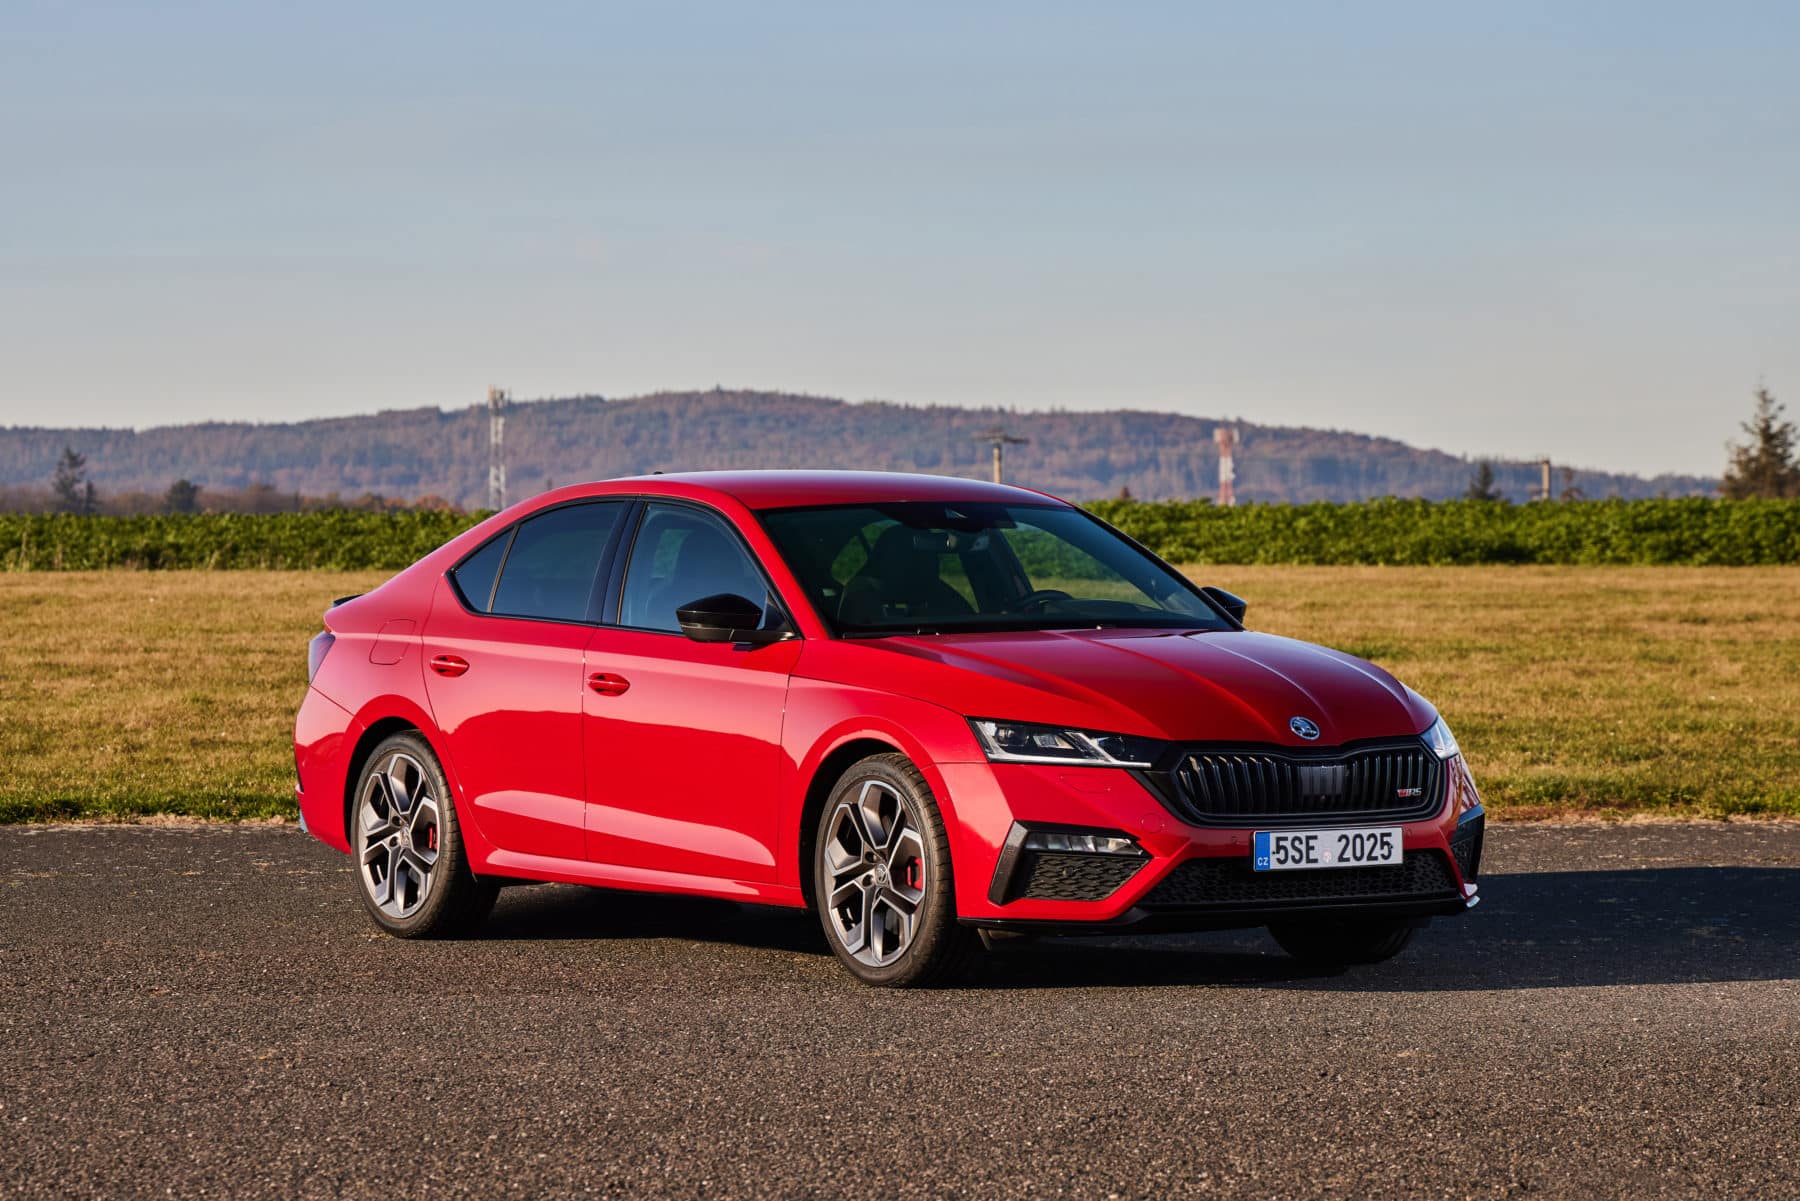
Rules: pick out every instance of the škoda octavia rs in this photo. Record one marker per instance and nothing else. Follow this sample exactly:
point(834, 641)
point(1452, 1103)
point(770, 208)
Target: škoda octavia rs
point(920, 707)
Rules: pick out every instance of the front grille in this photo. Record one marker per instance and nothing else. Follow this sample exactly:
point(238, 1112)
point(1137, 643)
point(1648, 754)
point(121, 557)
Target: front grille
point(1399, 781)
point(1066, 876)
point(1230, 882)
point(1465, 844)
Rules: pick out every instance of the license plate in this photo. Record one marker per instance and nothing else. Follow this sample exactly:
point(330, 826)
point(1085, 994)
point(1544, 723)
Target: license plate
point(1285, 850)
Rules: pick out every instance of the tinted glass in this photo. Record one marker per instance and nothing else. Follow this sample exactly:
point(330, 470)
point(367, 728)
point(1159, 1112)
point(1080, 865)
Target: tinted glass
point(475, 578)
point(936, 567)
point(554, 559)
point(683, 555)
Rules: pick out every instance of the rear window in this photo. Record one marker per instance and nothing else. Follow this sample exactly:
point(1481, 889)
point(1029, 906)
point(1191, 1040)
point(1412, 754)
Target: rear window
point(551, 569)
point(475, 578)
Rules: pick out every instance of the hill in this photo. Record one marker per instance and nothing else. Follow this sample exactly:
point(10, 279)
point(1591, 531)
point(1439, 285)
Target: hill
point(1084, 455)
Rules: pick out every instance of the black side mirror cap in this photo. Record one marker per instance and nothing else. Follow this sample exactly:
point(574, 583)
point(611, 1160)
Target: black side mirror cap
point(1233, 605)
point(728, 617)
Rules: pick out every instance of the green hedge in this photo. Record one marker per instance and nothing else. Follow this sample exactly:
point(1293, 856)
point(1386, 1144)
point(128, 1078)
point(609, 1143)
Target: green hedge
point(1689, 531)
point(1686, 531)
point(340, 539)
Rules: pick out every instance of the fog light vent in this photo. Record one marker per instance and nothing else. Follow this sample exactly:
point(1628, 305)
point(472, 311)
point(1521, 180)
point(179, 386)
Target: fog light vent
point(1063, 863)
point(1090, 843)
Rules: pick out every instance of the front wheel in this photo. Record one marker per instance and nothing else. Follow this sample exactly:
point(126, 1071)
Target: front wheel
point(411, 872)
point(882, 878)
point(1338, 944)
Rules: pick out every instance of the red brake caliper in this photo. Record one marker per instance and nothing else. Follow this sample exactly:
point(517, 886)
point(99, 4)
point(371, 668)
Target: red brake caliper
point(915, 872)
point(431, 839)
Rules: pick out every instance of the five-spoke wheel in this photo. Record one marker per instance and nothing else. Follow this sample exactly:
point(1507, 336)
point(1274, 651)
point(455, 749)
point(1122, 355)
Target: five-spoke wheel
point(410, 865)
point(397, 835)
point(875, 862)
point(882, 877)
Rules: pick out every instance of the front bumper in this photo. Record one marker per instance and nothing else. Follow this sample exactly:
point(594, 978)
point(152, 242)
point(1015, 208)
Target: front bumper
point(1188, 877)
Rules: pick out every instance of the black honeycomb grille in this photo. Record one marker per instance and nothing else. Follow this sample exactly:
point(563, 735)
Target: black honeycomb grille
point(1424, 875)
point(1400, 781)
point(1067, 876)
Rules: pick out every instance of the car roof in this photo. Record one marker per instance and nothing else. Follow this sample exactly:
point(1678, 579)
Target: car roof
point(793, 489)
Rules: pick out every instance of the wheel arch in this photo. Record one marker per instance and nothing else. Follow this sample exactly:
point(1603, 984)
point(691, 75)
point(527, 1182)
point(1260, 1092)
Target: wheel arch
point(377, 732)
point(839, 760)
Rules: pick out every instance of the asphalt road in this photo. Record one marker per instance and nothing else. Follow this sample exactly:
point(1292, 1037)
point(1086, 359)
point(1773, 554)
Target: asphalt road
point(196, 1012)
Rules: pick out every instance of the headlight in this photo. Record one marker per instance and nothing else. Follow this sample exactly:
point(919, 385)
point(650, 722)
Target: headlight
point(1017, 742)
point(1441, 741)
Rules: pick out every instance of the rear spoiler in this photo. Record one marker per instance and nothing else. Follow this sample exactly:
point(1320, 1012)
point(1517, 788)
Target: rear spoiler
point(345, 599)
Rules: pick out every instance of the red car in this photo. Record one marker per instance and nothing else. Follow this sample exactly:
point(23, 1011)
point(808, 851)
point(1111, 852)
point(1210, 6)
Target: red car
point(922, 707)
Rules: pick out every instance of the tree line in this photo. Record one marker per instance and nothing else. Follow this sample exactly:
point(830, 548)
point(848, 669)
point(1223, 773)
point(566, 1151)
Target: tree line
point(1082, 455)
point(71, 491)
point(1764, 466)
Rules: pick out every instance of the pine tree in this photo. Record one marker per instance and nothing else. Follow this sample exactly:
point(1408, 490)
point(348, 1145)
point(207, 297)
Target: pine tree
point(1765, 464)
point(1481, 486)
point(74, 494)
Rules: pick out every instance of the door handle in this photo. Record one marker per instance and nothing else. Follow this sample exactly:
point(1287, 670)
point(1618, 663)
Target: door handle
point(608, 684)
point(449, 665)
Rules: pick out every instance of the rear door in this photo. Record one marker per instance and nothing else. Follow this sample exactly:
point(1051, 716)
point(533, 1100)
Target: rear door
point(503, 669)
point(682, 738)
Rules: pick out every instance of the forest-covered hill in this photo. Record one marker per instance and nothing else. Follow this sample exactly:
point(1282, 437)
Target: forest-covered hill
point(1084, 455)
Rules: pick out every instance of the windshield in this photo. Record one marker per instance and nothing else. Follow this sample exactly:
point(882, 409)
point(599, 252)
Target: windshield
point(930, 567)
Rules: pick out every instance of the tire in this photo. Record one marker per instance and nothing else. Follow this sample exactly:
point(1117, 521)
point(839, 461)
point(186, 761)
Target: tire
point(1342, 943)
point(407, 849)
point(882, 879)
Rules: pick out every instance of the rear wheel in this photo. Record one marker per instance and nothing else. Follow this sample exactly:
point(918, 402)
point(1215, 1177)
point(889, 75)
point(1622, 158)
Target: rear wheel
point(882, 879)
point(411, 871)
point(1342, 943)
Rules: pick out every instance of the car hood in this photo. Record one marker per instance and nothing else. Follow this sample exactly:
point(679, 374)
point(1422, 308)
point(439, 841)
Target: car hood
point(1213, 686)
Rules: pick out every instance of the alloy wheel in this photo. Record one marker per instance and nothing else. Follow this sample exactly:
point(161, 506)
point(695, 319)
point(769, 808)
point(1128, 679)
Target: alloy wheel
point(874, 860)
point(397, 836)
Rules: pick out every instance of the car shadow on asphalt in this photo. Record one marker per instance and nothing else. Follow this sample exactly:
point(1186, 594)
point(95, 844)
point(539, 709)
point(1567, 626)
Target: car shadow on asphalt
point(557, 911)
point(1532, 930)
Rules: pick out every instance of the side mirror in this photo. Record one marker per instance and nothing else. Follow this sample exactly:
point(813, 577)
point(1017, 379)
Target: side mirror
point(728, 617)
point(1234, 605)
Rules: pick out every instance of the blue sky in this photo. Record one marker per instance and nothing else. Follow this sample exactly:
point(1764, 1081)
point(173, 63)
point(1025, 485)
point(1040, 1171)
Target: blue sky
point(1500, 229)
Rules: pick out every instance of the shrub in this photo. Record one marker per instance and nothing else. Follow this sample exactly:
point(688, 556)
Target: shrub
point(1689, 531)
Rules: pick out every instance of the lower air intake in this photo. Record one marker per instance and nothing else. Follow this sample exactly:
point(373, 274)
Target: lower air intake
point(1230, 882)
point(1062, 876)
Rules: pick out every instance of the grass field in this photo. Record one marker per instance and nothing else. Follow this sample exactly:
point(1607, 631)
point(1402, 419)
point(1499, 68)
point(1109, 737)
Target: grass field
point(1591, 690)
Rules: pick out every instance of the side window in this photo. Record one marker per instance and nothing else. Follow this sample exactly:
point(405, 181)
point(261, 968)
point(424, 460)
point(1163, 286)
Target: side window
point(475, 578)
point(554, 559)
point(682, 555)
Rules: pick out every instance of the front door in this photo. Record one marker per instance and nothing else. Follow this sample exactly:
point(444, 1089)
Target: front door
point(682, 738)
point(504, 673)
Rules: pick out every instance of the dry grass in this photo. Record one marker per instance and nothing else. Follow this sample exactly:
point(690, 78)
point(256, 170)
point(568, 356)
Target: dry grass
point(126, 693)
point(1605, 690)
